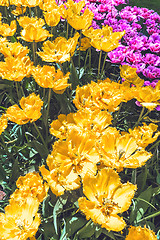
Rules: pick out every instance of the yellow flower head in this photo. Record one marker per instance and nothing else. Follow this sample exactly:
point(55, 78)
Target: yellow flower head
point(32, 33)
point(59, 181)
point(59, 50)
point(20, 221)
point(19, 10)
point(104, 39)
point(130, 76)
point(71, 159)
point(78, 152)
point(139, 233)
point(4, 3)
point(30, 185)
point(147, 96)
point(6, 30)
point(71, 6)
point(15, 49)
point(52, 17)
point(15, 68)
point(3, 123)
point(121, 151)
point(31, 110)
point(26, 21)
point(106, 197)
point(96, 121)
point(102, 95)
point(85, 44)
point(80, 22)
point(144, 135)
point(48, 5)
point(84, 119)
point(48, 77)
point(59, 127)
point(31, 3)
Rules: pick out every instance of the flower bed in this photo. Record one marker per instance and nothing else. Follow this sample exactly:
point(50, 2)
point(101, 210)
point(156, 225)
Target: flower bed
point(79, 150)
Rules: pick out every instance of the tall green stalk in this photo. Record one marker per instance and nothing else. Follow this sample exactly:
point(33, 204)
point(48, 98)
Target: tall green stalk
point(40, 135)
point(99, 63)
point(103, 63)
point(34, 47)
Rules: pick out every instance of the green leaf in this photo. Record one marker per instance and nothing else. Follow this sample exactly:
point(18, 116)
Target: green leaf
point(73, 224)
point(40, 148)
point(64, 233)
point(13, 39)
point(81, 73)
point(109, 234)
point(58, 208)
point(2, 173)
point(141, 205)
point(46, 207)
point(74, 76)
point(49, 231)
point(98, 231)
point(158, 178)
point(15, 172)
point(141, 180)
point(87, 231)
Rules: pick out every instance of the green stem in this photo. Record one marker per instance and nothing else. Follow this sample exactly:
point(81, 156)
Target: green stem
point(117, 115)
point(6, 13)
point(22, 10)
point(140, 117)
point(153, 146)
point(2, 143)
point(16, 84)
point(34, 51)
point(49, 99)
point(67, 30)
point(30, 14)
point(71, 32)
point(79, 57)
point(99, 63)
point(76, 80)
point(51, 33)
point(86, 59)
point(36, 11)
point(60, 64)
point(47, 113)
point(103, 63)
point(22, 90)
point(90, 56)
point(150, 216)
point(44, 91)
point(40, 135)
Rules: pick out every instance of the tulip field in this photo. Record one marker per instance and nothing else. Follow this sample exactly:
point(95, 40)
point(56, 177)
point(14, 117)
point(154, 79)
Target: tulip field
point(79, 120)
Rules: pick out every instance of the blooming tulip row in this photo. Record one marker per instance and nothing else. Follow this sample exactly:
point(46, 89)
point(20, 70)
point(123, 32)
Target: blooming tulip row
point(78, 155)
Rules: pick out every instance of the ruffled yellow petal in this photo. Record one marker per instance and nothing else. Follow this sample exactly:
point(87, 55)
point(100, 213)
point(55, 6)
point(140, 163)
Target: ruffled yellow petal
point(140, 233)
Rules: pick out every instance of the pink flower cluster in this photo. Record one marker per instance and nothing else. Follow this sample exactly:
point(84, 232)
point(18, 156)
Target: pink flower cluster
point(140, 46)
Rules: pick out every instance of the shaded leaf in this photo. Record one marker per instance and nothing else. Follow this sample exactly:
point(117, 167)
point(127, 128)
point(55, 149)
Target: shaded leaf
point(58, 208)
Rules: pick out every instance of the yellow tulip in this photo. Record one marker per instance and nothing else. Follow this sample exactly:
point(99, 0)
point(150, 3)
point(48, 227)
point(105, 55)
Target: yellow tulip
point(36, 34)
point(59, 50)
point(20, 220)
point(140, 233)
point(3, 123)
point(106, 197)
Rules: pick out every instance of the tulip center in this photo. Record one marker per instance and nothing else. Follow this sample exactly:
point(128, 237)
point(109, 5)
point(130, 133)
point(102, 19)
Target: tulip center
point(107, 205)
point(20, 224)
point(121, 154)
